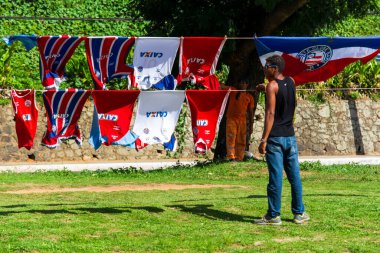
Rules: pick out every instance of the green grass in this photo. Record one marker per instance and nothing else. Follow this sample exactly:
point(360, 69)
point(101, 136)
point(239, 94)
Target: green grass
point(343, 201)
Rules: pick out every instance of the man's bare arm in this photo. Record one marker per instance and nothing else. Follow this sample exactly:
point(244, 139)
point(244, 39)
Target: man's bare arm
point(270, 107)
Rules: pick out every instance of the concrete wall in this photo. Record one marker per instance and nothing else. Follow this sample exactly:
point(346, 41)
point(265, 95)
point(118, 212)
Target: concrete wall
point(338, 127)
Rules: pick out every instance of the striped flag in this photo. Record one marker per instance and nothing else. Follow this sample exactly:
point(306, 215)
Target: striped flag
point(106, 58)
point(55, 52)
point(63, 110)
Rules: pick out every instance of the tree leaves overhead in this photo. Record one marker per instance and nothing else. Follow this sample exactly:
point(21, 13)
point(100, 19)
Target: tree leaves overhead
point(318, 15)
point(246, 17)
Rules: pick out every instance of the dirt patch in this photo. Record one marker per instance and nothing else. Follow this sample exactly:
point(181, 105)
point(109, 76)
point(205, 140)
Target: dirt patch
point(287, 239)
point(297, 238)
point(130, 187)
point(264, 171)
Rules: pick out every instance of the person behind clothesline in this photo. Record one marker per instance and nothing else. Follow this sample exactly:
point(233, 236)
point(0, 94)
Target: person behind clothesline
point(236, 128)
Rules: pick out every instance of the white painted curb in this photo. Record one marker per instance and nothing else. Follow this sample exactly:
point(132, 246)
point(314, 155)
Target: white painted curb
point(369, 160)
point(147, 166)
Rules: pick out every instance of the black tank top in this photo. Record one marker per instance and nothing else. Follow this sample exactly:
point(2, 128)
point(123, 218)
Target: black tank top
point(285, 107)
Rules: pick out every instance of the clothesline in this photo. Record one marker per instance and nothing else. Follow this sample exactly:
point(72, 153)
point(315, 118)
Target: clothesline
point(297, 89)
point(81, 19)
point(151, 37)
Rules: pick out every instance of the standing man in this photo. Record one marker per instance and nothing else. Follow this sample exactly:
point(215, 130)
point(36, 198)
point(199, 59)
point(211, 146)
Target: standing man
point(279, 143)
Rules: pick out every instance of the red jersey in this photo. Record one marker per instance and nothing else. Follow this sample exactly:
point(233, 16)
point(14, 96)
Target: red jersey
point(26, 116)
point(207, 108)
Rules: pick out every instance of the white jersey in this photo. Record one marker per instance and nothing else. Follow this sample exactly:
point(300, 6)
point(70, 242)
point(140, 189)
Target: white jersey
point(157, 115)
point(153, 60)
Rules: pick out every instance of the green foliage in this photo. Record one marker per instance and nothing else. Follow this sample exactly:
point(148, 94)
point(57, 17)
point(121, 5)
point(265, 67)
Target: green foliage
point(354, 82)
point(328, 17)
point(181, 132)
point(352, 26)
point(20, 69)
point(222, 73)
point(268, 5)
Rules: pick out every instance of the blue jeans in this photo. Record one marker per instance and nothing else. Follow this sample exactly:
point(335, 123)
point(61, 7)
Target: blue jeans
point(282, 152)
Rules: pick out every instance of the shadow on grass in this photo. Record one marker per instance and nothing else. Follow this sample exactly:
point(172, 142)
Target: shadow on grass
point(335, 195)
point(213, 214)
point(248, 197)
point(81, 210)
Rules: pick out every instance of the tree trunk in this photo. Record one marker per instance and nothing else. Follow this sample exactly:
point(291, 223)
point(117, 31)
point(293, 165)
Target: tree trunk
point(245, 63)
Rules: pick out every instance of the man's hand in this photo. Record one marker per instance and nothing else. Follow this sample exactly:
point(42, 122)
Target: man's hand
point(260, 87)
point(263, 147)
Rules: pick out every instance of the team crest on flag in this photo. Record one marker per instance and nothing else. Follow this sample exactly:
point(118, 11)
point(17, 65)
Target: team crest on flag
point(55, 51)
point(106, 58)
point(63, 110)
point(315, 57)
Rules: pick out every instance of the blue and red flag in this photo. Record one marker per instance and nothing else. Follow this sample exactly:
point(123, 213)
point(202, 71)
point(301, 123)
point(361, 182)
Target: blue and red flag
point(55, 52)
point(29, 41)
point(106, 58)
point(309, 59)
point(63, 110)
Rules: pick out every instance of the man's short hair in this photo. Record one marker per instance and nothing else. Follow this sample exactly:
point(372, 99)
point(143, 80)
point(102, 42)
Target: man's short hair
point(278, 61)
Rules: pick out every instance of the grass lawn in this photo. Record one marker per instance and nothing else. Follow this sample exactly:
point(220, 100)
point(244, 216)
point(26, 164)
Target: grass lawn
point(343, 202)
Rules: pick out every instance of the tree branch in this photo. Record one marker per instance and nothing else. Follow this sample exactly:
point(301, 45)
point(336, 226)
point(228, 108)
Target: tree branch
point(282, 12)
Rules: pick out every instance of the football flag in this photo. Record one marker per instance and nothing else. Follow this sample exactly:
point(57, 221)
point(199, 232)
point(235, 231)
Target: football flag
point(63, 110)
point(55, 52)
point(157, 115)
point(153, 61)
point(309, 59)
point(106, 58)
point(198, 59)
point(207, 108)
point(112, 117)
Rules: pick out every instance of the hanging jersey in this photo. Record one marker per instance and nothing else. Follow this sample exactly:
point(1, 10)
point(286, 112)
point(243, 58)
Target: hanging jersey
point(112, 117)
point(29, 41)
point(153, 60)
point(198, 58)
point(55, 51)
point(26, 116)
point(63, 110)
point(139, 144)
point(207, 108)
point(157, 115)
point(106, 58)
point(171, 145)
point(167, 83)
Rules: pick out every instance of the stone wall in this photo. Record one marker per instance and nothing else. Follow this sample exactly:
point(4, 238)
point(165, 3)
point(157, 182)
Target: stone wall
point(338, 127)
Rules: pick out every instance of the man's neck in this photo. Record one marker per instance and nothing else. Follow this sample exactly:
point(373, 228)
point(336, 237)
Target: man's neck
point(278, 76)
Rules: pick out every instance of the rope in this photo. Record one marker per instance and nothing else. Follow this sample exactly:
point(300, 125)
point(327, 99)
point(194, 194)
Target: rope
point(299, 89)
point(60, 19)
